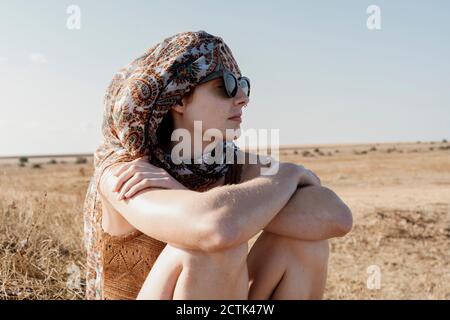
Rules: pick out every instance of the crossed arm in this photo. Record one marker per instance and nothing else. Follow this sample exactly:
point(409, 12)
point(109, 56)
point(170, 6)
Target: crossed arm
point(232, 214)
point(311, 213)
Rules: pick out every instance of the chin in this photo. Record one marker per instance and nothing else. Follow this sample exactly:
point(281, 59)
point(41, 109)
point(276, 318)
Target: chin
point(237, 134)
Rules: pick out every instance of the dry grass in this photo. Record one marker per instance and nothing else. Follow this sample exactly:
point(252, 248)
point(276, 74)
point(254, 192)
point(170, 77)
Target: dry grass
point(41, 226)
point(399, 195)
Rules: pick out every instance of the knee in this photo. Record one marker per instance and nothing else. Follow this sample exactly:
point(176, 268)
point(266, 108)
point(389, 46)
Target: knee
point(231, 257)
point(314, 253)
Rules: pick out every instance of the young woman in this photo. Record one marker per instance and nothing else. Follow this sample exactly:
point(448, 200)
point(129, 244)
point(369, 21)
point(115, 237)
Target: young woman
point(156, 229)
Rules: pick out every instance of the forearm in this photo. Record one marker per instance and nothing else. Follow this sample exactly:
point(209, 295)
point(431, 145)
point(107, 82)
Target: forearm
point(312, 213)
point(246, 208)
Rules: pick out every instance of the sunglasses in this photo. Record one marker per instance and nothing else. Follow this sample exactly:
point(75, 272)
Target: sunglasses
point(230, 81)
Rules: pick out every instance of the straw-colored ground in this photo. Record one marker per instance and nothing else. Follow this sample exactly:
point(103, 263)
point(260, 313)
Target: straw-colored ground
point(399, 195)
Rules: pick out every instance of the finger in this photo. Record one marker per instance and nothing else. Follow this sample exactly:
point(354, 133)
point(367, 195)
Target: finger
point(123, 168)
point(129, 184)
point(127, 174)
point(317, 177)
point(128, 164)
point(145, 184)
point(310, 178)
point(147, 167)
point(312, 173)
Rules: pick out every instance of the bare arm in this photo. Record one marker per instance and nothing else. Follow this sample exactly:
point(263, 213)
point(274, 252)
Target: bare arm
point(312, 213)
point(202, 220)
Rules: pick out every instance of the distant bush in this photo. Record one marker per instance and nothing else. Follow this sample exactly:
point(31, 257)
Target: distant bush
point(373, 149)
point(21, 164)
point(80, 160)
point(306, 153)
point(317, 150)
point(444, 141)
point(53, 161)
point(23, 159)
point(444, 147)
point(389, 150)
point(36, 166)
point(295, 152)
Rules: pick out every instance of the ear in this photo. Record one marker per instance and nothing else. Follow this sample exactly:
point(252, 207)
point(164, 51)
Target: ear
point(178, 108)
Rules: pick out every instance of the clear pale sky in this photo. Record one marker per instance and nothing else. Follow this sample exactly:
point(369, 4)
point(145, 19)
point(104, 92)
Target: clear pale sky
point(318, 73)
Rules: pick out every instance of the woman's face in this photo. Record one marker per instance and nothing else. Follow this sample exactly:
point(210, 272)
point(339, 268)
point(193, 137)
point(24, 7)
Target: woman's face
point(210, 104)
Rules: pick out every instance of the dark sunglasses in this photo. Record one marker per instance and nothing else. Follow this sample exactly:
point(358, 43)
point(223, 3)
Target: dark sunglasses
point(230, 81)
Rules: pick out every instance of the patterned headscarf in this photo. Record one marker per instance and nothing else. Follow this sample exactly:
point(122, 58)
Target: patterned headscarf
point(137, 99)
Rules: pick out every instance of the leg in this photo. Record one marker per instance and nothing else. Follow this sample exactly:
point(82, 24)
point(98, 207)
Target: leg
point(191, 274)
point(282, 268)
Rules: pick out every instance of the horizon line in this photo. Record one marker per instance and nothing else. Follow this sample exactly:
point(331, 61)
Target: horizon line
point(281, 147)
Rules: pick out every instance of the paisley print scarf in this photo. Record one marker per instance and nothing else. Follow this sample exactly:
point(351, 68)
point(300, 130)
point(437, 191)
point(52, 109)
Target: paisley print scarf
point(138, 97)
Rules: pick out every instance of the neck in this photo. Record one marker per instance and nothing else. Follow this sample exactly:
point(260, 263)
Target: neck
point(194, 153)
point(178, 123)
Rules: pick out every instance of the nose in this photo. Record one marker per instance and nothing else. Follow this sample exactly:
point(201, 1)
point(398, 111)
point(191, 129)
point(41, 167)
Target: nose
point(241, 98)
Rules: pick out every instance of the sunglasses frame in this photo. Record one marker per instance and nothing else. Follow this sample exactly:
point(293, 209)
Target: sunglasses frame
point(225, 73)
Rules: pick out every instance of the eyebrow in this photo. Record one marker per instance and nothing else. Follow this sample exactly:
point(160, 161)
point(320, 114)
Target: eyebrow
point(217, 80)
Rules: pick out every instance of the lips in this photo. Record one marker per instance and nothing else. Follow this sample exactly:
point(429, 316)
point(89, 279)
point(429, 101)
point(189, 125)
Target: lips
point(237, 116)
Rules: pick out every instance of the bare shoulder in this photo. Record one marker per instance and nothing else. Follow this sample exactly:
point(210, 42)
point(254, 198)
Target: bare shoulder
point(252, 166)
point(106, 182)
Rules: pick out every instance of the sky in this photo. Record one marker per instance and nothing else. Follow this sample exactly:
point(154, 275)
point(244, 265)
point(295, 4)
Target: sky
point(318, 73)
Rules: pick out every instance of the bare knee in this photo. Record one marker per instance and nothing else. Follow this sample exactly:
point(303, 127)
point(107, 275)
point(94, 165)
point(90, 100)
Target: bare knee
point(314, 253)
point(231, 257)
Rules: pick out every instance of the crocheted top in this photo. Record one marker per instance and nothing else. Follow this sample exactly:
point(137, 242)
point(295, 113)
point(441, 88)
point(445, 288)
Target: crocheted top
point(128, 259)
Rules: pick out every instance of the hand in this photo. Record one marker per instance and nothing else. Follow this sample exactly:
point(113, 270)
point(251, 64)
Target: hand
point(307, 177)
point(139, 174)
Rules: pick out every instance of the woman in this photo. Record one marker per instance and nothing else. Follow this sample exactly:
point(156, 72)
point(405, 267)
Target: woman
point(155, 229)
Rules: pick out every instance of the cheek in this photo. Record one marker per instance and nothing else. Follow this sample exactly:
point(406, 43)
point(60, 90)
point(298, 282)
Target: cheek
point(212, 113)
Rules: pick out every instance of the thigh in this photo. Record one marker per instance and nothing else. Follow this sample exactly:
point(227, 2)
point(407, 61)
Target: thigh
point(214, 275)
point(177, 270)
point(266, 262)
point(272, 257)
point(162, 278)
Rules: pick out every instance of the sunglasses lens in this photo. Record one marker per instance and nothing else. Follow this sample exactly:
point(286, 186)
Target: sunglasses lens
point(230, 84)
point(245, 85)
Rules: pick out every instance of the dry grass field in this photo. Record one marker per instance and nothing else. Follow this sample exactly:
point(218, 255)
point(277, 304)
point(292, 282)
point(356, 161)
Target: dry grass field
point(399, 194)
